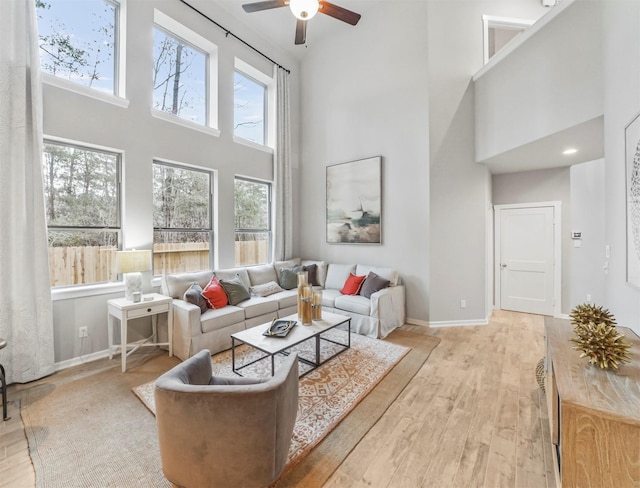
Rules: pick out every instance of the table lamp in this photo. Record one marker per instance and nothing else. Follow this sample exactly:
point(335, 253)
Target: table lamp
point(131, 264)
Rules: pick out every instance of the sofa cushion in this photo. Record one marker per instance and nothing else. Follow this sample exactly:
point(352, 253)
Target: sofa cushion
point(236, 290)
point(219, 318)
point(174, 285)
point(353, 303)
point(227, 274)
point(265, 289)
point(256, 306)
point(329, 296)
point(290, 263)
point(387, 273)
point(352, 285)
point(372, 284)
point(337, 274)
point(215, 295)
point(259, 275)
point(321, 273)
point(289, 277)
point(286, 298)
point(194, 295)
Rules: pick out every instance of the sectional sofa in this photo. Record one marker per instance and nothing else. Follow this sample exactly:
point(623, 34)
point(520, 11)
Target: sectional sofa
point(198, 327)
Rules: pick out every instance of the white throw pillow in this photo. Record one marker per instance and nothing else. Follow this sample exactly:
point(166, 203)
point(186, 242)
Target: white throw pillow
point(337, 274)
point(266, 289)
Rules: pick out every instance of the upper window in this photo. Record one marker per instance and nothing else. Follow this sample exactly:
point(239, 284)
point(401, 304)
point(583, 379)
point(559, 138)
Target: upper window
point(182, 73)
point(499, 31)
point(252, 105)
point(248, 108)
point(79, 42)
point(182, 219)
point(253, 222)
point(82, 196)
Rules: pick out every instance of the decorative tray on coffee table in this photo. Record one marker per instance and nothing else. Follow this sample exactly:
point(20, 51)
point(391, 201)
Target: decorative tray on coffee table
point(279, 328)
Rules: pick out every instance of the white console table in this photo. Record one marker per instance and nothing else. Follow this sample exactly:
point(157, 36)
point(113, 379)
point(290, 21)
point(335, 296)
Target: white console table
point(125, 310)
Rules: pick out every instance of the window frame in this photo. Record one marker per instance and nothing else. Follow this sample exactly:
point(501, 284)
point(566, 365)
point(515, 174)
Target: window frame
point(248, 71)
point(211, 230)
point(84, 289)
point(269, 229)
point(177, 30)
point(506, 23)
point(118, 97)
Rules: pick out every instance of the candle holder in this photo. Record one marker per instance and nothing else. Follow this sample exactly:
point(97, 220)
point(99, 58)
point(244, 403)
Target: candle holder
point(316, 305)
point(305, 300)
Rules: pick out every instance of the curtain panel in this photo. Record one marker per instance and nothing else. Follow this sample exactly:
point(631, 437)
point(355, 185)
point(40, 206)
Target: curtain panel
point(26, 317)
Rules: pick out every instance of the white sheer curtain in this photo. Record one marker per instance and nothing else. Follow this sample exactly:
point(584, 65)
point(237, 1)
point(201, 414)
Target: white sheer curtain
point(283, 246)
point(26, 318)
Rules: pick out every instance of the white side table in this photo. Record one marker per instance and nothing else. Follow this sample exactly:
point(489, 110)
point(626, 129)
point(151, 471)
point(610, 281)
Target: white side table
point(124, 310)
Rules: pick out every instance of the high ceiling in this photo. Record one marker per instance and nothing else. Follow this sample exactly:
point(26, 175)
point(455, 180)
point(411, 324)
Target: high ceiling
point(278, 25)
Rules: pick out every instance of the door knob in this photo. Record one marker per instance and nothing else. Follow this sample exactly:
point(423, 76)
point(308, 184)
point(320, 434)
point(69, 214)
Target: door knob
point(503, 265)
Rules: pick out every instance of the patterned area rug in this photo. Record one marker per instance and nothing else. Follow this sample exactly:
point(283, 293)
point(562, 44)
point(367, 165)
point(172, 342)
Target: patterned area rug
point(327, 394)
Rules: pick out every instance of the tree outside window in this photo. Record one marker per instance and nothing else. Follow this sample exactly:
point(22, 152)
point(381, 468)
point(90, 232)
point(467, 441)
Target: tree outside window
point(78, 42)
point(82, 196)
point(249, 108)
point(182, 219)
point(179, 77)
point(252, 222)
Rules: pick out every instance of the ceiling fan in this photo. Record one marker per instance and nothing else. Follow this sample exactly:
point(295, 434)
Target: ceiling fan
point(304, 10)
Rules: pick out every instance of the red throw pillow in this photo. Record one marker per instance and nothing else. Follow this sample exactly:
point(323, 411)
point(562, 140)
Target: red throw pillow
point(214, 294)
point(352, 285)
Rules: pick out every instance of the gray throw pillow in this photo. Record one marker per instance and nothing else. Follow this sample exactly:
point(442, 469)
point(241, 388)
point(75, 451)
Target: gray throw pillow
point(373, 283)
point(289, 277)
point(235, 289)
point(194, 295)
point(312, 270)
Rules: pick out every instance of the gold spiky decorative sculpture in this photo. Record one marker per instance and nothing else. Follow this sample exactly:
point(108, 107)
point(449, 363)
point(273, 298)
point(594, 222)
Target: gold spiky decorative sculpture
point(598, 338)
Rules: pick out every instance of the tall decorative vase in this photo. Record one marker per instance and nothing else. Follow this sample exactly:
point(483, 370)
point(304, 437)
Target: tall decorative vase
point(317, 305)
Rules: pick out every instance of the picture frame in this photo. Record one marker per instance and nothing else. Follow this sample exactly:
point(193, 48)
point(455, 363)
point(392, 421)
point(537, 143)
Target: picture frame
point(354, 202)
point(632, 186)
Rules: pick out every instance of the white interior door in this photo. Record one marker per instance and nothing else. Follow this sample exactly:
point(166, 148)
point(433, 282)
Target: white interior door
point(525, 259)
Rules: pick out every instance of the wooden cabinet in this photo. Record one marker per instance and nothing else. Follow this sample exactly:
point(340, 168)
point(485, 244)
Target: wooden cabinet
point(594, 414)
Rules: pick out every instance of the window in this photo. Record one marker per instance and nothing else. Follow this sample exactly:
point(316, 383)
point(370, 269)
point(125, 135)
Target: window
point(248, 108)
point(253, 105)
point(182, 219)
point(79, 42)
point(82, 196)
point(253, 222)
point(498, 31)
point(183, 75)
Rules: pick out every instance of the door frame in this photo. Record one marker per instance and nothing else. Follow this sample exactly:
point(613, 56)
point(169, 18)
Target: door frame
point(557, 250)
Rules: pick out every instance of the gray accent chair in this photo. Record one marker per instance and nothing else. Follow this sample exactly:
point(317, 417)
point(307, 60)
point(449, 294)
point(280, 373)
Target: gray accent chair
point(225, 431)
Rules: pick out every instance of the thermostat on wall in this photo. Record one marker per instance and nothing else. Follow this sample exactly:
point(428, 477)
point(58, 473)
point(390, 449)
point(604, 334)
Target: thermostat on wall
point(576, 235)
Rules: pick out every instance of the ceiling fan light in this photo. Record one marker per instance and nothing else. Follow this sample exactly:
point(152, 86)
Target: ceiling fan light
point(304, 9)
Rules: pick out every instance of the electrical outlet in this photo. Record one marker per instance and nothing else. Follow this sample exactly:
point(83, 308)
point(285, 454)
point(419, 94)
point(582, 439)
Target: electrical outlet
point(83, 332)
point(588, 297)
point(463, 303)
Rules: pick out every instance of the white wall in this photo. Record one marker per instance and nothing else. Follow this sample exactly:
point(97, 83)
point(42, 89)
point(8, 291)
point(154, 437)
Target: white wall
point(143, 137)
point(588, 217)
point(551, 82)
point(542, 186)
point(460, 188)
point(621, 67)
point(365, 94)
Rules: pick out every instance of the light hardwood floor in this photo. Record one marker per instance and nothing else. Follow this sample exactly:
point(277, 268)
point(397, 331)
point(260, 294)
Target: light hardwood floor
point(473, 416)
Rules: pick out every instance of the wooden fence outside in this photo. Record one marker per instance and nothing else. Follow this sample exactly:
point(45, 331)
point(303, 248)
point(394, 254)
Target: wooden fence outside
point(96, 264)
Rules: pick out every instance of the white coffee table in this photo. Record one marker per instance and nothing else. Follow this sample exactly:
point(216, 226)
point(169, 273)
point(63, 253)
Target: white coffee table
point(272, 346)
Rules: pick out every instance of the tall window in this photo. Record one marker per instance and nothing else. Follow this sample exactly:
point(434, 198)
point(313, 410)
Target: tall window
point(499, 31)
point(249, 108)
point(182, 219)
point(184, 73)
point(253, 222)
point(79, 41)
point(82, 193)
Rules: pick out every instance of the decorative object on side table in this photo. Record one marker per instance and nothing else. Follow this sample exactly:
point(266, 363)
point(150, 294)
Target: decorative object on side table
point(131, 264)
point(598, 338)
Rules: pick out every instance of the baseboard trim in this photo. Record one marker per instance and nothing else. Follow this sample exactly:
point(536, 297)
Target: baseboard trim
point(417, 322)
point(458, 323)
point(563, 316)
point(87, 358)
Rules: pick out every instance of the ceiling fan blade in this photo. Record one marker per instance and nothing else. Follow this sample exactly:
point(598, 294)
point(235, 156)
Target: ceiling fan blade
point(258, 6)
point(338, 12)
point(301, 31)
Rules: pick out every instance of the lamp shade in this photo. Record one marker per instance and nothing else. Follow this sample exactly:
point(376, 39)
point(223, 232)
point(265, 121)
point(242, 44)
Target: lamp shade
point(133, 261)
point(304, 9)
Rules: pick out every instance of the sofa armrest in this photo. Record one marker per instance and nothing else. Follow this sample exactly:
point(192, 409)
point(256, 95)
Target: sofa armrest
point(186, 325)
point(388, 306)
